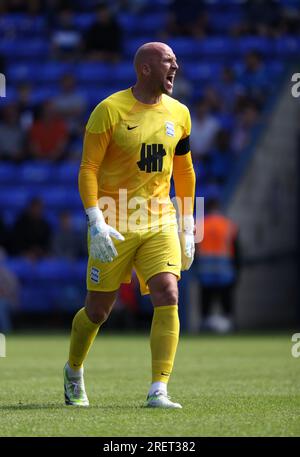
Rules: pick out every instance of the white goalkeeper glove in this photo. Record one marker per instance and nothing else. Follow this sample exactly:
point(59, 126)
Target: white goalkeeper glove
point(101, 245)
point(187, 242)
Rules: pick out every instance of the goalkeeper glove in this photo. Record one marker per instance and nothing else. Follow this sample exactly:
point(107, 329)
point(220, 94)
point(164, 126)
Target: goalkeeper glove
point(187, 242)
point(101, 245)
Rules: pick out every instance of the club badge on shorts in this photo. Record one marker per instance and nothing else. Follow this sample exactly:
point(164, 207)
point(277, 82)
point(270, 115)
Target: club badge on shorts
point(94, 275)
point(170, 128)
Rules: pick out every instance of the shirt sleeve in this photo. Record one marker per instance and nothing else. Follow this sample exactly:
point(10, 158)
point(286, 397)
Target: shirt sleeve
point(183, 145)
point(96, 140)
point(183, 170)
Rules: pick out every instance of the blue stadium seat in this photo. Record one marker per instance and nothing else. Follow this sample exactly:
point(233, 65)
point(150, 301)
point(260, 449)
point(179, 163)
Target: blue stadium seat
point(60, 198)
point(67, 172)
point(53, 71)
point(127, 21)
point(35, 172)
point(14, 197)
point(8, 173)
point(43, 93)
point(202, 71)
point(23, 268)
point(264, 45)
point(209, 191)
point(79, 219)
point(54, 269)
point(221, 164)
point(20, 25)
point(130, 45)
point(221, 22)
point(275, 67)
point(79, 269)
point(217, 46)
point(134, 24)
point(83, 20)
point(92, 72)
point(24, 49)
point(36, 298)
point(123, 73)
point(9, 216)
point(287, 47)
point(95, 94)
point(184, 47)
point(21, 72)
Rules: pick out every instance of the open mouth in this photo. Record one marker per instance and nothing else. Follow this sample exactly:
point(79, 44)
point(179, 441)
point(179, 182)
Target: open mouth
point(170, 80)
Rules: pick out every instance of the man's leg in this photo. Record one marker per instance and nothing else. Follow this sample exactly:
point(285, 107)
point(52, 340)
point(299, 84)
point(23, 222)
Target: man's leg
point(163, 337)
point(85, 326)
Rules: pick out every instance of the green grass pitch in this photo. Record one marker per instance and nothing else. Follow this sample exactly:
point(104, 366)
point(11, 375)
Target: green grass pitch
point(228, 386)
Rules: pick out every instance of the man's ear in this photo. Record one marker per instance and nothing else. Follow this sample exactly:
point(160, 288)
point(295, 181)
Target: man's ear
point(146, 69)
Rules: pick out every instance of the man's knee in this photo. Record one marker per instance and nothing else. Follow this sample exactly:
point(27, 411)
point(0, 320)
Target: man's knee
point(166, 296)
point(98, 306)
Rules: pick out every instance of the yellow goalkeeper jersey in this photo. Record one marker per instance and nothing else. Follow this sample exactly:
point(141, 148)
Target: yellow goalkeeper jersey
point(128, 157)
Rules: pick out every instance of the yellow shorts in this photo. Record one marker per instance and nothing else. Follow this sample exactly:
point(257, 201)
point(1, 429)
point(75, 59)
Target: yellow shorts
point(148, 252)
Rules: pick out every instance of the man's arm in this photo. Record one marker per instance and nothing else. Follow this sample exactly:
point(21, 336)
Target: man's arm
point(94, 149)
point(184, 181)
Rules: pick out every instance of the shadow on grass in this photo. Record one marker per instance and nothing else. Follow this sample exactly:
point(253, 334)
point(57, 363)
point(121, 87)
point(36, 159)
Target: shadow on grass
point(37, 406)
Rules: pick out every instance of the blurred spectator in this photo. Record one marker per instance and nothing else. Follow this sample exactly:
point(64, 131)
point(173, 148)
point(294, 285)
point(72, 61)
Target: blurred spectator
point(228, 89)
point(217, 266)
point(27, 109)
point(67, 241)
point(183, 88)
point(76, 145)
point(48, 135)
point(103, 38)
point(70, 104)
point(2, 64)
point(31, 233)
point(9, 295)
point(11, 134)
point(290, 20)
point(3, 235)
point(133, 6)
point(245, 122)
point(205, 126)
point(263, 18)
point(185, 18)
point(21, 6)
point(66, 38)
point(221, 158)
point(254, 78)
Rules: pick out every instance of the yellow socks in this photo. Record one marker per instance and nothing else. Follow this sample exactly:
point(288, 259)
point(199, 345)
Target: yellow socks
point(83, 334)
point(163, 341)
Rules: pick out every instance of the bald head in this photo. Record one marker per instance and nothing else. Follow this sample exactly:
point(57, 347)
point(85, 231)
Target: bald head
point(148, 53)
point(155, 65)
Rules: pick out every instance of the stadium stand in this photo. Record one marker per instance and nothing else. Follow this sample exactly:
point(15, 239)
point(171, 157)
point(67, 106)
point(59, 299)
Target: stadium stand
point(25, 46)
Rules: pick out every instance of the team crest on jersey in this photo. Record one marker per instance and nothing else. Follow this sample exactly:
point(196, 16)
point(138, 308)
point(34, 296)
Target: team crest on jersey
point(170, 128)
point(95, 273)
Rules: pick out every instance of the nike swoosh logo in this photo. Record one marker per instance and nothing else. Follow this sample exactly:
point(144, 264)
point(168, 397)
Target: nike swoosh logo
point(163, 373)
point(131, 128)
point(171, 264)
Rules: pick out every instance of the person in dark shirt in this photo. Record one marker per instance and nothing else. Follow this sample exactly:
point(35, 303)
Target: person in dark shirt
point(31, 234)
point(103, 38)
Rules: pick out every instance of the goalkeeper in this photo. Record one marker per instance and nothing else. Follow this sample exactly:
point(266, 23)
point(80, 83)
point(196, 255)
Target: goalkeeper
point(134, 141)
